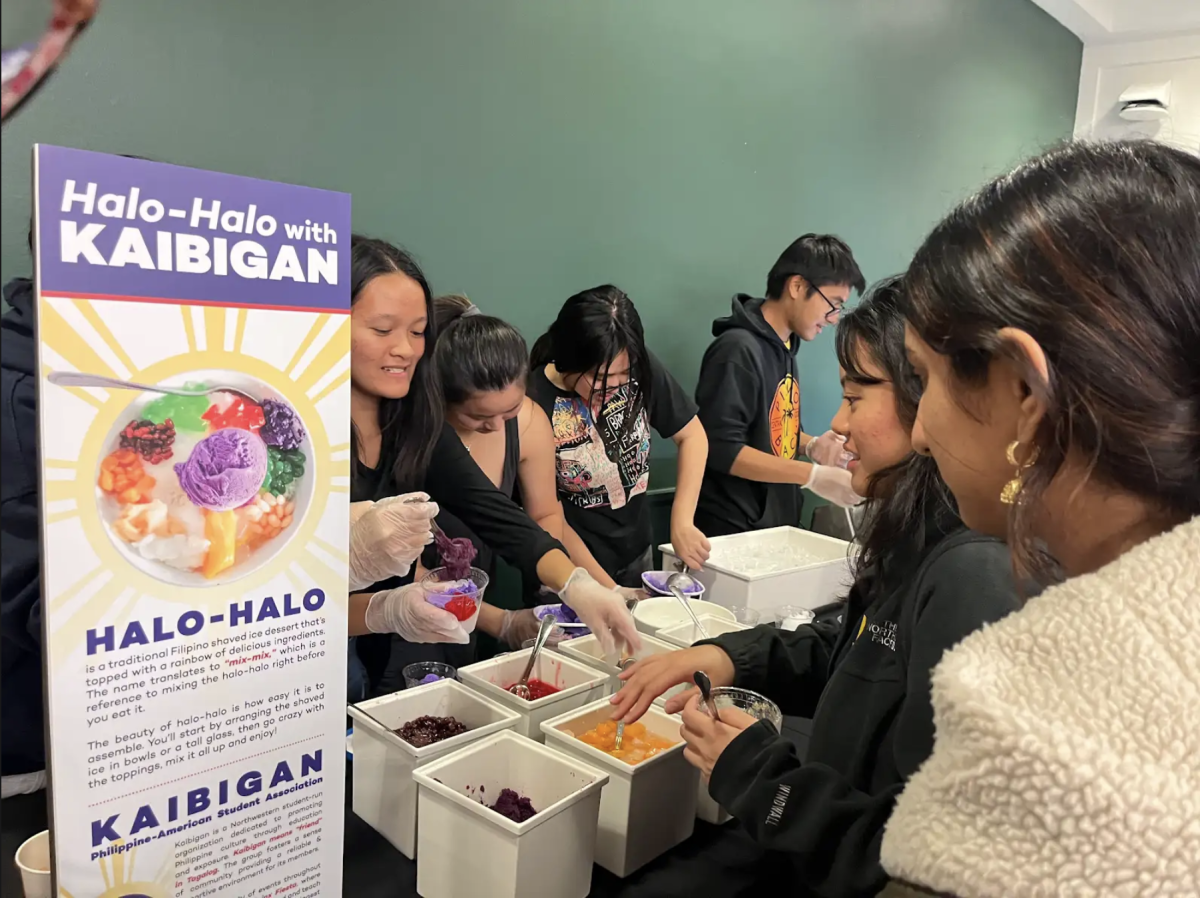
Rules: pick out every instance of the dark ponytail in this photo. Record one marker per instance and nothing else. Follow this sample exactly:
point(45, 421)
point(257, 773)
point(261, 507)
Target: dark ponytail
point(475, 353)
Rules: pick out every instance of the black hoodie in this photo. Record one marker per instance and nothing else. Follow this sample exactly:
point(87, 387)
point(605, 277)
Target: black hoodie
point(748, 395)
point(867, 688)
point(21, 735)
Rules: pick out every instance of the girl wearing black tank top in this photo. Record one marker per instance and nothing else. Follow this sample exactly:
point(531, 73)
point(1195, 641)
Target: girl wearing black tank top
point(482, 363)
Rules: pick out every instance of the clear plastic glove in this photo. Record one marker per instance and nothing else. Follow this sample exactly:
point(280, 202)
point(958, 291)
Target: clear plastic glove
point(833, 484)
point(405, 612)
point(829, 449)
point(602, 609)
point(387, 536)
point(519, 626)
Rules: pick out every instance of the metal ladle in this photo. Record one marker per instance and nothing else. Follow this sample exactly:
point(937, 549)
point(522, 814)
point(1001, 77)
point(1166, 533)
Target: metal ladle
point(521, 688)
point(675, 585)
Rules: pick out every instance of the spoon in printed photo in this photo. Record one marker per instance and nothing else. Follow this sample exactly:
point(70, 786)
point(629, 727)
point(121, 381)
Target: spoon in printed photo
point(76, 379)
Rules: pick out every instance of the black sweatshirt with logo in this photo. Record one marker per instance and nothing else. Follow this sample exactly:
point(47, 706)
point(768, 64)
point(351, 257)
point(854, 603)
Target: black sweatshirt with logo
point(748, 395)
point(867, 689)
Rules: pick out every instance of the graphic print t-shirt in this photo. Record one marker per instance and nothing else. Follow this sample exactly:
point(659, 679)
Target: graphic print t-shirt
point(603, 468)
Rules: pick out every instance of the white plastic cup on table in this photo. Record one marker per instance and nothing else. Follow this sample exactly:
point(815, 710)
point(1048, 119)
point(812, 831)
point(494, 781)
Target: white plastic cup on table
point(33, 860)
point(422, 672)
point(445, 592)
point(789, 617)
point(756, 705)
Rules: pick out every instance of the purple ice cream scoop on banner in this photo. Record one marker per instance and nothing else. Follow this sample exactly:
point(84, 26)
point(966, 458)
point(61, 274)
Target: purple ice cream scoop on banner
point(282, 427)
point(225, 470)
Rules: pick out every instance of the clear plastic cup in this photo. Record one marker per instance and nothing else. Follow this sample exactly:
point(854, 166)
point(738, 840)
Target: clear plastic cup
point(789, 617)
point(747, 616)
point(757, 706)
point(424, 672)
point(457, 596)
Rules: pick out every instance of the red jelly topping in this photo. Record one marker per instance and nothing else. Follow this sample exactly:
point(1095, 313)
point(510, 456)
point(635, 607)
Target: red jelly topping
point(462, 607)
point(239, 413)
point(538, 689)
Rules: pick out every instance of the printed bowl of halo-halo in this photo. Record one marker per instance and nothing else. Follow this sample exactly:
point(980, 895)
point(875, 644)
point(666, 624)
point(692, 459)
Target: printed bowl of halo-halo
point(202, 490)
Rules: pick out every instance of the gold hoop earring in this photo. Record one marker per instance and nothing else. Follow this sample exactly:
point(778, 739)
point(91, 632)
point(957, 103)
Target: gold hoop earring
point(1012, 489)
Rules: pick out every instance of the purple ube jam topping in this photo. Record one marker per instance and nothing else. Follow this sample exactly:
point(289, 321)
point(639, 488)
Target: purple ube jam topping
point(224, 470)
point(281, 427)
point(656, 581)
point(429, 678)
point(515, 807)
point(457, 555)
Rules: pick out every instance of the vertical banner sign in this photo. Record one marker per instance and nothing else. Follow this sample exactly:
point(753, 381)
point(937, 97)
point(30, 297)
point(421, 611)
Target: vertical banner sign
point(194, 348)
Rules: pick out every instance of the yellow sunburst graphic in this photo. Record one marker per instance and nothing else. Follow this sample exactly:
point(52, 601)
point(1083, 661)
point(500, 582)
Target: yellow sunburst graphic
point(78, 335)
point(120, 880)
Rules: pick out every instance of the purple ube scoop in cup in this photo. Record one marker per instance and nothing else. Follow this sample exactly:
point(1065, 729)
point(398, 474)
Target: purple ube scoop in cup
point(225, 470)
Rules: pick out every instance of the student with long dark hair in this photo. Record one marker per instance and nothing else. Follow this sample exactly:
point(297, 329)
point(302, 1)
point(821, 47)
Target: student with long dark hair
point(1054, 320)
point(482, 363)
point(603, 391)
point(922, 582)
point(400, 444)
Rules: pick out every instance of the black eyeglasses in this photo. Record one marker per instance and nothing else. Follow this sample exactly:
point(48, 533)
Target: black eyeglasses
point(833, 310)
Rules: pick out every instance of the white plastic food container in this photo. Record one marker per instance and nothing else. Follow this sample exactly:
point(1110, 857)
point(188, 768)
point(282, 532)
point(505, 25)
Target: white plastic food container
point(766, 568)
point(647, 808)
point(578, 685)
point(586, 649)
point(385, 795)
point(651, 615)
point(683, 635)
point(469, 851)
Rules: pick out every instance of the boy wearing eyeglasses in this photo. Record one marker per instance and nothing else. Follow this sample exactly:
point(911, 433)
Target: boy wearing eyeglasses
point(748, 393)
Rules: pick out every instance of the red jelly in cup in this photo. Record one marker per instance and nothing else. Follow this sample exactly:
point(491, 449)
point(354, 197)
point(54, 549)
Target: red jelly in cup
point(461, 597)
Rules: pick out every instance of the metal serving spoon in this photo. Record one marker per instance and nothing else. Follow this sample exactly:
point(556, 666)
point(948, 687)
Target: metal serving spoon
point(622, 665)
point(700, 678)
point(521, 688)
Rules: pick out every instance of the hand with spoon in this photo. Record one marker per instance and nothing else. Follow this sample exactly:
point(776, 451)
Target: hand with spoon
point(649, 678)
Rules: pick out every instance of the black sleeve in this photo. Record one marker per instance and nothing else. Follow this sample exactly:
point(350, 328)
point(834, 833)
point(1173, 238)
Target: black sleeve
point(20, 564)
point(811, 810)
point(790, 667)
point(671, 409)
point(456, 483)
point(728, 393)
point(970, 585)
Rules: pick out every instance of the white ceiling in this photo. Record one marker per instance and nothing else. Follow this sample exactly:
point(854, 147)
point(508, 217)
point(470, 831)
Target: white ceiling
point(1107, 21)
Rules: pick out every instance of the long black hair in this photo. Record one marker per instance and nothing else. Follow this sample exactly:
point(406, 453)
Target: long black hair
point(592, 328)
point(910, 506)
point(1092, 249)
point(410, 426)
point(475, 353)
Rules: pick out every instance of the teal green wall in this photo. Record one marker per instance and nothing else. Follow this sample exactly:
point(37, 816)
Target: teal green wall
point(525, 149)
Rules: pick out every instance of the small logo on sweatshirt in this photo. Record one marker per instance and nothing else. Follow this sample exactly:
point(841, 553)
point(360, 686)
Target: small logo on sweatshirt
point(778, 803)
